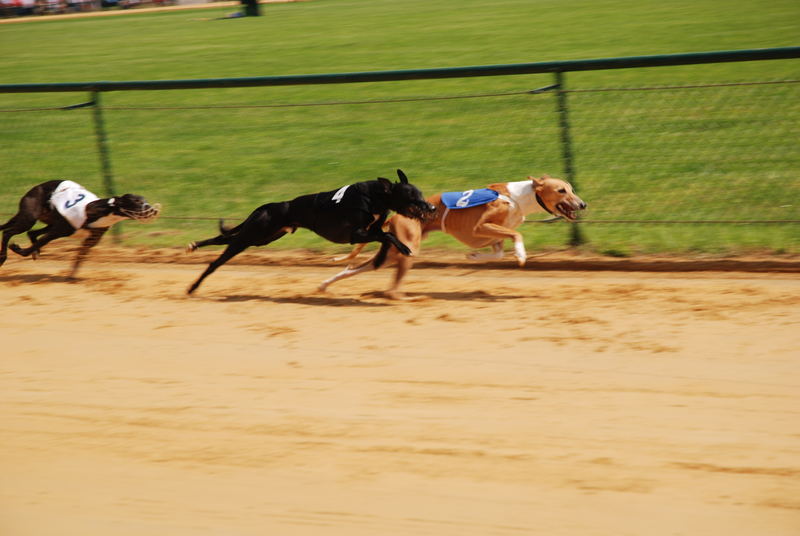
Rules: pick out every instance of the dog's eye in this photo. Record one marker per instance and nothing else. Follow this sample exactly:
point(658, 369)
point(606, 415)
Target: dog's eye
point(562, 191)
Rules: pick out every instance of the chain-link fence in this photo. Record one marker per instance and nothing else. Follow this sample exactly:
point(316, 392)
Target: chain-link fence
point(713, 166)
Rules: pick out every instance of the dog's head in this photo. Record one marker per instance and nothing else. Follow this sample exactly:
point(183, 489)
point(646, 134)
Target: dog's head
point(135, 207)
point(557, 197)
point(407, 199)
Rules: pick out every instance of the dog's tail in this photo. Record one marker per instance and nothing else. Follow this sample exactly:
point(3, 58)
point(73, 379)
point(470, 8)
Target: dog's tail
point(224, 230)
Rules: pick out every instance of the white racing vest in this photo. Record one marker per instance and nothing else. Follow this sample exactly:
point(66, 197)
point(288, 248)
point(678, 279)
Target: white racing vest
point(70, 200)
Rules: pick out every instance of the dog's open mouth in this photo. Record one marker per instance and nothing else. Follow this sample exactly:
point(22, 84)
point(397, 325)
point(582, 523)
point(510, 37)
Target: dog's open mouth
point(422, 212)
point(145, 214)
point(567, 211)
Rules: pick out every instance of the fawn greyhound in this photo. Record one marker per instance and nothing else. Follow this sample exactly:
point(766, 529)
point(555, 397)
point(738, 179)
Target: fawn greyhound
point(477, 218)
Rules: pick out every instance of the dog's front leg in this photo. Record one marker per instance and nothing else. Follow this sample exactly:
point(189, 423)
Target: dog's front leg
point(88, 243)
point(374, 234)
point(392, 239)
point(385, 238)
point(500, 233)
point(496, 254)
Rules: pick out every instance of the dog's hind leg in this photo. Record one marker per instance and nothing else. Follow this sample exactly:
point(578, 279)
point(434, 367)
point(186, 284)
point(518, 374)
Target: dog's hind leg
point(4, 246)
point(34, 248)
point(34, 235)
point(230, 252)
point(223, 238)
point(352, 255)
point(350, 271)
point(234, 248)
point(219, 240)
point(344, 274)
point(266, 224)
point(410, 232)
point(19, 223)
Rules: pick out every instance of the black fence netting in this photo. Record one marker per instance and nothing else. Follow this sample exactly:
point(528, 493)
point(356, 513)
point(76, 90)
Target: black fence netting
point(696, 167)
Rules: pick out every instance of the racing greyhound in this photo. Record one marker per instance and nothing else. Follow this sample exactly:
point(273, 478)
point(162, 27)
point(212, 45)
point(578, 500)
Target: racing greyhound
point(502, 208)
point(353, 214)
point(67, 208)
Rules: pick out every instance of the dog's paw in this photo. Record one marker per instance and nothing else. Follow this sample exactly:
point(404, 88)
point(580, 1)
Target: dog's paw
point(403, 249)
point(520, 254)
point(340, 258)
point(191, 247)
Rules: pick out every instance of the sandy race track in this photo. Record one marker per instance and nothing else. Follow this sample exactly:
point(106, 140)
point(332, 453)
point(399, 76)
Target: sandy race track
point(508, 402)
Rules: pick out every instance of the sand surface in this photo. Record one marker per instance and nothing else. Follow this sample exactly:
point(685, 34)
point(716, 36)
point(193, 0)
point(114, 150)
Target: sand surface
point(507, 402)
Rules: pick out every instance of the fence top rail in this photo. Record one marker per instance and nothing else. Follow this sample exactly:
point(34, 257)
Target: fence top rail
point(627, 62)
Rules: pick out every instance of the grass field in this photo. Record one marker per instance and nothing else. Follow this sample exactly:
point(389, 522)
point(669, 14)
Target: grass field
point(714, 153)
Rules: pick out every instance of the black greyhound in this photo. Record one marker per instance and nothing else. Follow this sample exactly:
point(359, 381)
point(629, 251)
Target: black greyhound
point(352, 214)
point(67, 208)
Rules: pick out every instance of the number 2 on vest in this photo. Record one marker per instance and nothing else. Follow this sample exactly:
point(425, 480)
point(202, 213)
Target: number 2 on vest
point(463, 201)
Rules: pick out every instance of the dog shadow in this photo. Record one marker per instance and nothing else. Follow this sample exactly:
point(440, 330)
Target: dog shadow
point(37, 278)
point(471, 296)
point(321, 301)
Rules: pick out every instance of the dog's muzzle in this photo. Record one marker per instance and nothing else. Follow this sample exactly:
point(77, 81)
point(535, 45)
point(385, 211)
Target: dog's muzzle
point(570, 210)
point(423, 211)
point(146, 214)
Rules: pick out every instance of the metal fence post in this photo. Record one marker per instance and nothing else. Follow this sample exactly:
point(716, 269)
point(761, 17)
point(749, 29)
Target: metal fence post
point(105, 154)
point(576, 237)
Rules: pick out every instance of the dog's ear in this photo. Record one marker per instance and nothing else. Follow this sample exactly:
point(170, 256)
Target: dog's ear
point(402, 176)
point(538, 183)
point(386, 183)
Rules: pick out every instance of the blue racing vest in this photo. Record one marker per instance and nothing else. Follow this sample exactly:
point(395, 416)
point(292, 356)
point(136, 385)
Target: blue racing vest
point(468, 198)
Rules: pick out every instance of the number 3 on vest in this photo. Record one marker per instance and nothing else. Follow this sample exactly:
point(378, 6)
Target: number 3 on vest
point(70, 204)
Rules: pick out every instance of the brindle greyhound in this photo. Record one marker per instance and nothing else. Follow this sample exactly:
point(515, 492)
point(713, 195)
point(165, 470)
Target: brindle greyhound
point(478, 226)
point(68, 209)
point(351, 214)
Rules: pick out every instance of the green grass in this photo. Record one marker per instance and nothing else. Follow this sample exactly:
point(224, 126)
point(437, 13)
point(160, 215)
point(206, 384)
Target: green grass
point(721, 153)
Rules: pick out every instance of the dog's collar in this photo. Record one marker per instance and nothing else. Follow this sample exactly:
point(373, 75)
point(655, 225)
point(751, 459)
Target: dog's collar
point(541, 204)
